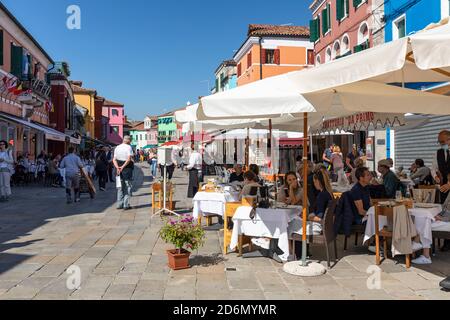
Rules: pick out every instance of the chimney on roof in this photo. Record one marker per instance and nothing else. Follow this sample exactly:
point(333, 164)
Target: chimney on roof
point(77, 83)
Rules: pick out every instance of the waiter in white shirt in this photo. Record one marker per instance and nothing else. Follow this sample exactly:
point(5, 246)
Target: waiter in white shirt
point(195, 171)
point(123, 162)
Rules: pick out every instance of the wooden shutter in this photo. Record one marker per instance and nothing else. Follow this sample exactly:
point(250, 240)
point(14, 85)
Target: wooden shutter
point(239, 70)
point(324, 20)
point(313, 34)
point(1, 47)
point(276, 58)
point(339, 9)
point(16, 60)
point(356, 3)
point(310, 55)
point(263, 56)
point(249, 60)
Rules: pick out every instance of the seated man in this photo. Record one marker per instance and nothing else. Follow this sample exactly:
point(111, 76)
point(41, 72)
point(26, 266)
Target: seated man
point(360, 193)
point(237, 175)
point(391, 183)
point(422, 173)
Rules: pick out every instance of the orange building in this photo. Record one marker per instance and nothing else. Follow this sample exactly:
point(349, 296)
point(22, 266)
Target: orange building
point(272, 50)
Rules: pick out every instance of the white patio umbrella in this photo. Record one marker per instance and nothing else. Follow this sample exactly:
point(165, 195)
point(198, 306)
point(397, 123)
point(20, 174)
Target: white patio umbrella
point(356, 83)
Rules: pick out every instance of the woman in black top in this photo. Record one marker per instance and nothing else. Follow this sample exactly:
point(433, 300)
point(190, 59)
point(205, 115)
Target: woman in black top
point(255, 169)
point(101, 169)
point(323, 198)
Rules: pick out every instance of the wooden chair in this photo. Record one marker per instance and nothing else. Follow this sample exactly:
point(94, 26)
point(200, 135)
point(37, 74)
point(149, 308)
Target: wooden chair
point(328, 235)
point(389, 213)
point(158, 197)
point(429, 190)
point(230, 210)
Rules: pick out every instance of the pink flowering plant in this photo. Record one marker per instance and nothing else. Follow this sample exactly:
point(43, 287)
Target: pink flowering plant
point(183, 233)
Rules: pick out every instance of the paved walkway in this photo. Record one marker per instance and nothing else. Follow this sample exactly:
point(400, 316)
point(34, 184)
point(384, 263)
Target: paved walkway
point(120, 256)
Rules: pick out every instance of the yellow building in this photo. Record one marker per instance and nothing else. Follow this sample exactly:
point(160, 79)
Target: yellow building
point(85, 98)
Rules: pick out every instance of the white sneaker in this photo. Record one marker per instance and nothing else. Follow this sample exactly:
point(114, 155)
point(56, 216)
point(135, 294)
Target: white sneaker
point(422, 260)
point(416, 246)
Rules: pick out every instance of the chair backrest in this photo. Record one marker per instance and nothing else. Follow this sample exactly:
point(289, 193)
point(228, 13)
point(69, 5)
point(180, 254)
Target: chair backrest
point(328, 222)
point(157, 187)
point(427, 187)
point(425, 195)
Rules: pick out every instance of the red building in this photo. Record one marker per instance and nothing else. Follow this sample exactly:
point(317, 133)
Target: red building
point(340, 28)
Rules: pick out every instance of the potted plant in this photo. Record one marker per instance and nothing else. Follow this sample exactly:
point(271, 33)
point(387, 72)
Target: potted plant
point(185, 236)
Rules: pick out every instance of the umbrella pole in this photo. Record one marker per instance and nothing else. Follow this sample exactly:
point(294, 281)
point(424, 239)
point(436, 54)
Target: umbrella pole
point(247, 150)
point(305, 186)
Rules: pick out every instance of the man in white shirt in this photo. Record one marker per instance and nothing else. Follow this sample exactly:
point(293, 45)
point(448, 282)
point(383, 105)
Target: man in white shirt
point(123, 162)
point(195, 171)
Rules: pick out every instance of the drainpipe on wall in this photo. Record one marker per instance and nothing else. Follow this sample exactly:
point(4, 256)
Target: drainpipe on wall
point(260, 59)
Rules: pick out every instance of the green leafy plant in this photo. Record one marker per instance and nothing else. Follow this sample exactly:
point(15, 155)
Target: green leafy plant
point(183, 234)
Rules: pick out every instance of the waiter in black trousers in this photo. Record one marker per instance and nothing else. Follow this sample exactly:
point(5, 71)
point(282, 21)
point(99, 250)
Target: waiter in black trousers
point(195, 171)
point(441, 169)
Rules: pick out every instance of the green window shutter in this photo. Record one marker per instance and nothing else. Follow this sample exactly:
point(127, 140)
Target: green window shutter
point(339, 9)
point(357, 48)
point(347, 7)
point(1, 47)
point(16, 60)
point(356, 3)
point(329, 15)
point(314, 35)
point(324, 20)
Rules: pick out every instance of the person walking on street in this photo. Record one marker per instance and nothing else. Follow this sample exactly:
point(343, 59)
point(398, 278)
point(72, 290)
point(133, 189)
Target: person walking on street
point(326, 157)
point(109, 158)
point(440, 170)
point(101, 169)
point(153, 160)
point(6, 160)
point(195, 172)
point(123, 162)
point(73, 164)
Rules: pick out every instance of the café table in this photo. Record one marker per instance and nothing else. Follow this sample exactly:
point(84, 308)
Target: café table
point(423, 216)
point(212, 203)
point(268, 223)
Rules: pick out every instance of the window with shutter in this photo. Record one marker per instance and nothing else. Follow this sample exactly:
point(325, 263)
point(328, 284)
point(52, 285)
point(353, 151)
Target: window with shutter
point(249, 60)
point(324, 21)
point(1, 47)
point(313, 36)
point(347, 7)
point(356, 3)
point(239, 70)
point(16, 60)
point(263, 56)
point(329, 15)
point(310, 55)
point(340, 9)
point(276, 58)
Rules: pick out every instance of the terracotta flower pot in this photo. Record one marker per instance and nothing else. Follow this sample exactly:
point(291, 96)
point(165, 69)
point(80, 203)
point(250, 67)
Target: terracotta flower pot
point(178, 261)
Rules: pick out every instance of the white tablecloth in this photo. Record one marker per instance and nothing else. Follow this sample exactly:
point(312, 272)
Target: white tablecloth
point(423, 220)
point(268, 223)
point(212, 203)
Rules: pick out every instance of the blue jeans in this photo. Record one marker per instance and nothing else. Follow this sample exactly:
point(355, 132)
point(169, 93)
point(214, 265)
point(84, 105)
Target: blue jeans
point(124, 194)
point(154, 166)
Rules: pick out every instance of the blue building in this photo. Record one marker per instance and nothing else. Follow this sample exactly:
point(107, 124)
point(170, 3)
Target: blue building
point(405, 17)
point(226, 76)
point(402, 18)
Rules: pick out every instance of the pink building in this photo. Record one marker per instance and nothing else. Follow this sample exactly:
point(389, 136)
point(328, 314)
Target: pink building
point(340, 27)
point(115, 112)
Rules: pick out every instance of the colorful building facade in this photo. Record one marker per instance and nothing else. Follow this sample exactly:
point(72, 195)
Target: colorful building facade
point(341, 27)
point(144, 134)
point(85, 98)
point(115, 113)
point(273, 50)
point(25, 100)
point(226, 76)
point(168, 130)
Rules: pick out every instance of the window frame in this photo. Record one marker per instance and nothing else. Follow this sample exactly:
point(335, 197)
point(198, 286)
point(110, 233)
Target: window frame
point(395, 29)
point(272, 51)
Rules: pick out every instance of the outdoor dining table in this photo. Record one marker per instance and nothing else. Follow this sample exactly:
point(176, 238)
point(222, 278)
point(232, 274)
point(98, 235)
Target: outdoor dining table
point(212, 203)
point(267, 223)
point(423, 220)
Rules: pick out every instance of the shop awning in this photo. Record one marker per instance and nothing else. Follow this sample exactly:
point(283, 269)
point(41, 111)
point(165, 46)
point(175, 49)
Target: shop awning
point(50, 134)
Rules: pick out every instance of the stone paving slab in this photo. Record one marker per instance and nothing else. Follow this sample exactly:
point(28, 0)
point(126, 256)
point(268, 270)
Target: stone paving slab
point(121, 256)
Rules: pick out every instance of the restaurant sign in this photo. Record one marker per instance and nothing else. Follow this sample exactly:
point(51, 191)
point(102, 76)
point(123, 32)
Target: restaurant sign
point(363, 121)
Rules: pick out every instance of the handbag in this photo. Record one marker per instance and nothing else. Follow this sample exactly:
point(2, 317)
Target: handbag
point(118, 182)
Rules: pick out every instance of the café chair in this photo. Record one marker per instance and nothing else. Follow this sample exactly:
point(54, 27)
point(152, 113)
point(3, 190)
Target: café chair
point(158, 197)
point(327, 237)
point(388, 212)
point(425, 194)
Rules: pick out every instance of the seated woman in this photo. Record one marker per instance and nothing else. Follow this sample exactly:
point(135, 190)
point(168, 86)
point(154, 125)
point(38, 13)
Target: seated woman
point(291, 194)
point(322, 184)
point(249, 182)
point(255, 169)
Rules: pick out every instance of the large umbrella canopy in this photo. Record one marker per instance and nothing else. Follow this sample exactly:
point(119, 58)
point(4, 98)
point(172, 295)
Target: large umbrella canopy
point(359, 80)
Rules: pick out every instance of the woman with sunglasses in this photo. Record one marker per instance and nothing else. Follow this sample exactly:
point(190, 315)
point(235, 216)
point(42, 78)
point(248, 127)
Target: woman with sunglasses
point(6, 161)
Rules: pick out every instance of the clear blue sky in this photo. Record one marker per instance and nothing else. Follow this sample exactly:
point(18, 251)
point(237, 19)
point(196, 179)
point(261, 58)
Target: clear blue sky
point(151, 55)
